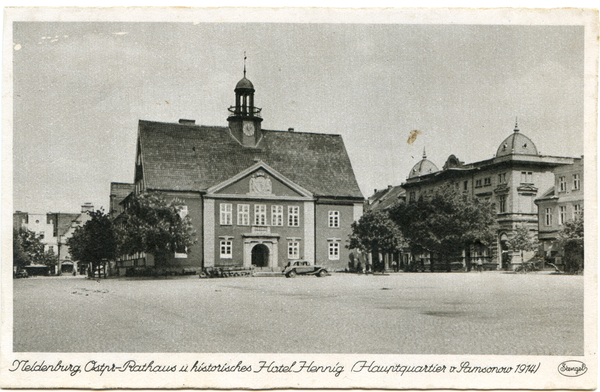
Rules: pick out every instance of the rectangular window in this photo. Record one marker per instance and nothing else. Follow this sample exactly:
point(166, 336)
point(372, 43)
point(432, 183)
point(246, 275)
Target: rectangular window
point(477, 183)
point(276, 215)
point(293, 250)
point(548, 216)
point(411, 197)
point(225, 249)
point(334, 219)
point(502, 178)
point(466, 186)
point(577, 210)
point(243, 214)
point(576, 182)
point(334, 250)
point(293, 216)
point(502, 203)
point(526, 177)
point(42, 235)
point(562, 216)
point(562, 184)
point(260, 215)
point(226, 214)
point(487, 181)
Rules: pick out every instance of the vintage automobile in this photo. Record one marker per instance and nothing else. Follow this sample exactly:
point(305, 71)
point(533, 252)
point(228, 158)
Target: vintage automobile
point(302, 267)
point(21, 274)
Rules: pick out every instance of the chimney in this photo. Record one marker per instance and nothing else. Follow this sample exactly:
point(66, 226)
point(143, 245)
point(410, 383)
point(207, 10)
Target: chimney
point(290, 129)
point(184, 121)
point(87, 207)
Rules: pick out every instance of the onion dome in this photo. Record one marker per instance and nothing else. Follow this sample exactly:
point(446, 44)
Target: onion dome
point(517, 143)
point(424, 166)
point(244, 84)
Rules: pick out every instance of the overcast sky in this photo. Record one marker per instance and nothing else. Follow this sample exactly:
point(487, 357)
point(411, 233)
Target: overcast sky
point(80, 89)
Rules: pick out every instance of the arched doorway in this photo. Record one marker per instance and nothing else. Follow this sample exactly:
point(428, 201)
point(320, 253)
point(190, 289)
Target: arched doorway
point(260, 256)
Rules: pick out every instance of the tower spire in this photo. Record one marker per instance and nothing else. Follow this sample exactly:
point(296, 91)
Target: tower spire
point(516, 124)
point(424, 153)
point(244, 63)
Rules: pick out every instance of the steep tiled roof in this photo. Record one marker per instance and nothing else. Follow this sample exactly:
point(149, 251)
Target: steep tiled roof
point(194, 158)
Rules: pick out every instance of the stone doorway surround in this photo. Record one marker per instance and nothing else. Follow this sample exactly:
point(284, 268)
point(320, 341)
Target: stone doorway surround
point(261, 235)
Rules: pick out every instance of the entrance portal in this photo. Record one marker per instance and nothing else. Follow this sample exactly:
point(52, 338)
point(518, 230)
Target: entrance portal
point(260, 256)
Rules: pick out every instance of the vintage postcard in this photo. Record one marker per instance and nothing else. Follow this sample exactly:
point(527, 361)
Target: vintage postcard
point(253, 198)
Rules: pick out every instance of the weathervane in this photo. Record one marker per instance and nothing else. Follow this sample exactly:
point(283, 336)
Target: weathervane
point(244, 63)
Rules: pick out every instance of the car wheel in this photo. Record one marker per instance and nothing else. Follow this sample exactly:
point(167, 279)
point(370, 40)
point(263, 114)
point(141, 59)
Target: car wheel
point(322, 274)
point(291, 274)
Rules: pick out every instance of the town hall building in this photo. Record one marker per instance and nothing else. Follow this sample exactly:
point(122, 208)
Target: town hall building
point(256, 198)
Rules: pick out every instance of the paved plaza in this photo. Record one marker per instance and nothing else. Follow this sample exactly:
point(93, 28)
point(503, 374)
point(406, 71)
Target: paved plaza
point(405, 313)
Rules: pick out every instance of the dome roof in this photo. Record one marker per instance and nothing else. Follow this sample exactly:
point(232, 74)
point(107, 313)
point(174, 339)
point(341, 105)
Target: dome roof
point(517, 143)
point(424, 166)
point(244, 83)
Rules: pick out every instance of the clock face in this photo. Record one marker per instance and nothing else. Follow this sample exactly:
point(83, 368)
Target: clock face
point(248, 128)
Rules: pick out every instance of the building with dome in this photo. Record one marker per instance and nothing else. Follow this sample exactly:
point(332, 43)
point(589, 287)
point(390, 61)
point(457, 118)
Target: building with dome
point(257, 198)
point(510, 181)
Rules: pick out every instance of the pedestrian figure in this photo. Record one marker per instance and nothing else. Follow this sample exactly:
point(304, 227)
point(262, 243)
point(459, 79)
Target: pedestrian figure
point(479, 265)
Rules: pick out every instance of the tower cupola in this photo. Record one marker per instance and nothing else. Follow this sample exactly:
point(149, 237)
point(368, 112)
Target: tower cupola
point(244, 118)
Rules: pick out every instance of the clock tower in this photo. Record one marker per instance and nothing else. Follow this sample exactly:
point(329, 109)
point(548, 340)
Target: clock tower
point(244, 118)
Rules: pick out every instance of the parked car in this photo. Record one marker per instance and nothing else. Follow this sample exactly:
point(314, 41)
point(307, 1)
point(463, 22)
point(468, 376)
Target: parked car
point(302, 267)
point(21, 274)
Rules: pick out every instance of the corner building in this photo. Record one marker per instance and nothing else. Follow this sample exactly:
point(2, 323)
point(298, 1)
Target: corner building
point(510, 181)
point(256, 197)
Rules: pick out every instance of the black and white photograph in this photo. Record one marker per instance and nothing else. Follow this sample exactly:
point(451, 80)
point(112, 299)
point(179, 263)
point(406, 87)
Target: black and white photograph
point(299, 198)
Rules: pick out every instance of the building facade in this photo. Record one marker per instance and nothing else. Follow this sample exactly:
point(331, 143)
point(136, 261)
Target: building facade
point(256, 198)
point(561, 203)
point(510, 181)
point(54, 229)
